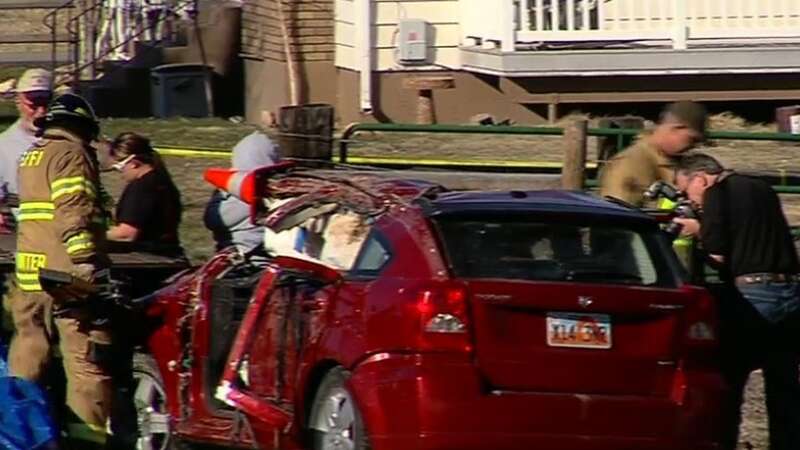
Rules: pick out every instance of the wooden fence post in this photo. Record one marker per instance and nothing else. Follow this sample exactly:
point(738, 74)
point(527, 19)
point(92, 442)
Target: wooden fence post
point(574, 168)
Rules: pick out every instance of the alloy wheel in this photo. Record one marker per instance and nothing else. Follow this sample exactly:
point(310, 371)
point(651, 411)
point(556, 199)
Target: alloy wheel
point(336, 421)
point(151, 415)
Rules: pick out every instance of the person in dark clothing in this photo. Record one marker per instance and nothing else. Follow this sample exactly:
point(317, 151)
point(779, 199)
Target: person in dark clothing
point(147, 217)
point(745, 235)
point(149, 210)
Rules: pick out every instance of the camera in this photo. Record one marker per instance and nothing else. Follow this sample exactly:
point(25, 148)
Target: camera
point(684, 208)
point(660, 189)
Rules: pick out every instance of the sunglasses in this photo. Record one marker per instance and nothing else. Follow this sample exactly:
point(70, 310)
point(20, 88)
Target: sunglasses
point(36, 100)
point(119, 165)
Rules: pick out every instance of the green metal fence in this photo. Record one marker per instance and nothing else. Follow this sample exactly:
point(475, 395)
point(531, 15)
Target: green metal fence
point(621, 135)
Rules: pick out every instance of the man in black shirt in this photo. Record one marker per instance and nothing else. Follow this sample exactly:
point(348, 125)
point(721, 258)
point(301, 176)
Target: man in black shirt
point(746, 236)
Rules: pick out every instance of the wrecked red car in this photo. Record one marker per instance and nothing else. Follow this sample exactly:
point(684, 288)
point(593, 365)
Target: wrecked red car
point(392, 314)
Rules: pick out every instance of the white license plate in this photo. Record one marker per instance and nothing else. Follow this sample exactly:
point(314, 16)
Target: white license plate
point(579, 330)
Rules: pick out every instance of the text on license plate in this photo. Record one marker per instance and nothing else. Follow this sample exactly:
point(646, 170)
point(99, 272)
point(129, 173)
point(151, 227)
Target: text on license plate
point(578, 330)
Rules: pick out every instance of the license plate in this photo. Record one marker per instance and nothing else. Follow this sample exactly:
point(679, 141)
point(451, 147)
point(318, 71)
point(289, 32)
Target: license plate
point(579, 330)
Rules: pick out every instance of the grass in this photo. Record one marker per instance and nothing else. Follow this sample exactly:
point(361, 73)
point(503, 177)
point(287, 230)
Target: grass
point(213, 132)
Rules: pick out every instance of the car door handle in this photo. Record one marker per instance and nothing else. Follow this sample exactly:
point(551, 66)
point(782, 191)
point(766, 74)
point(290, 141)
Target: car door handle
point(665, 306)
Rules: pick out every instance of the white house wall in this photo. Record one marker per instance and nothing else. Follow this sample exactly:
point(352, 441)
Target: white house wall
point(444, 32)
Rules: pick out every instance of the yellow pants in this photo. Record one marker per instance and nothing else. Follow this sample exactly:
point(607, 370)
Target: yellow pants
point(88, 384)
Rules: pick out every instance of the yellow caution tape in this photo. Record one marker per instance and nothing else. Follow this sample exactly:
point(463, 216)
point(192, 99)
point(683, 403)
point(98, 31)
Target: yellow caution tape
point(194, 152)
point(377, 160)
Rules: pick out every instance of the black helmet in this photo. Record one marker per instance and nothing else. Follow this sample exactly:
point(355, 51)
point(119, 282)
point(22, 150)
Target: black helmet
point(70, 109)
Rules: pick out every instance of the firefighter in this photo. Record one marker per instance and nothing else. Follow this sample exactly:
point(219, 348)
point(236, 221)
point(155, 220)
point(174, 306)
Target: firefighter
point(627, 175)
point(61, 227)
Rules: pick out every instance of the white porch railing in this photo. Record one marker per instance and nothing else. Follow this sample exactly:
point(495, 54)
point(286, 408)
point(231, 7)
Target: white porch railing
point(531, 21)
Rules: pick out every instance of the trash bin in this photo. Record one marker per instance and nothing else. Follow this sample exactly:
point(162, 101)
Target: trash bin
point(180, 90)
point(306, 131)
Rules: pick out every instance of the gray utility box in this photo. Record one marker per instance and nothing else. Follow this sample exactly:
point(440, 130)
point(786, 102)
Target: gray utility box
point(180, 90)
point(413, 41)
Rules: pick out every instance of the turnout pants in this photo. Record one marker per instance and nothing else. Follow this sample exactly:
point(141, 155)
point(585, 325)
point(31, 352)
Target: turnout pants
point(89, 389)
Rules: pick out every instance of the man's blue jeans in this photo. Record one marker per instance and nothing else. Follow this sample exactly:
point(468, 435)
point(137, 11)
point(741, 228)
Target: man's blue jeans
point(776, 302)
point(766, 330)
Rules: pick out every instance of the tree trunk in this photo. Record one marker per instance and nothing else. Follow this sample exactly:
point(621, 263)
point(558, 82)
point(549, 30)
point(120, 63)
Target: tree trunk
point(292, 69)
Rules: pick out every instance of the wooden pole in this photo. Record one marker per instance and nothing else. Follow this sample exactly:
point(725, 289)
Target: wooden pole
point(573, 172)
point(292, 68)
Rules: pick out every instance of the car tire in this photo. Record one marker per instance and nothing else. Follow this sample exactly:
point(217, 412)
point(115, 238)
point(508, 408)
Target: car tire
point(150, 400)
point(335, 421)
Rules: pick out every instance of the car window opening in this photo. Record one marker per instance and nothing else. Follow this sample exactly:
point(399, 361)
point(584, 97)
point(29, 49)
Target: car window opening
point(333, 239)
point(524, 249)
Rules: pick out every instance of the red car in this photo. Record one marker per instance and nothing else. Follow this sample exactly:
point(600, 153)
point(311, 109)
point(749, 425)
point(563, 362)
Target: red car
point(391, 314)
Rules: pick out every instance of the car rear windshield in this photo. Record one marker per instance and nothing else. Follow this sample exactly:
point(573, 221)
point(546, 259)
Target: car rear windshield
point(582, 250)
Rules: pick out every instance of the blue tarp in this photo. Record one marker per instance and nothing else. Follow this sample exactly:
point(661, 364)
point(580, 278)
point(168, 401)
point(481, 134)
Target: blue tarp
point(25, 422)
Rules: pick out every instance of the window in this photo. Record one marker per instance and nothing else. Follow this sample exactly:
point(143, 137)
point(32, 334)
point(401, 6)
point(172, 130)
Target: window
point(334, 239)
point(579, 250)
point(374, 255)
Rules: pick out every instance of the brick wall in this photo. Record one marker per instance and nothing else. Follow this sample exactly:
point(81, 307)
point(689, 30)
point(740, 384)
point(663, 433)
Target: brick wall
point(310, 24)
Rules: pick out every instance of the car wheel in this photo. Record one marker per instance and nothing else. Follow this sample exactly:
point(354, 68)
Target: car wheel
point(150, 401)
point(335, 422)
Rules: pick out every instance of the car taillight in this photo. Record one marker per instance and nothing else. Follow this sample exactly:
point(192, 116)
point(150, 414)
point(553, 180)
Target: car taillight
point(443, 318)
point(701, 333)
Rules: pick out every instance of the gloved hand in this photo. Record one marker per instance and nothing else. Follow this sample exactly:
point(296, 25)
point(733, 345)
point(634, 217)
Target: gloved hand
point(85, 271)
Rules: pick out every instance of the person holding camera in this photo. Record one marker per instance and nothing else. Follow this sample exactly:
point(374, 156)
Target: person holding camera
point(744, 233)
point(628, 175)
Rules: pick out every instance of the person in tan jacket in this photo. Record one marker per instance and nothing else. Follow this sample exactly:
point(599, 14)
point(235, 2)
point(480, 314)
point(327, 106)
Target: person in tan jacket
point(62, 227)
point(627, 176)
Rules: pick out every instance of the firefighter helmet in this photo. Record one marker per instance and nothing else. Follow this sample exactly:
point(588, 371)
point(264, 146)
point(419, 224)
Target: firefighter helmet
point(70, 108)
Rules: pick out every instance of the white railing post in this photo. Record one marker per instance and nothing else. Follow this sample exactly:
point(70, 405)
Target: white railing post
point(555, 15)
point(525, 15)
point(680, 31)
point(539, 15)
point(508, 32)
point(585, 22)
point(570, 12)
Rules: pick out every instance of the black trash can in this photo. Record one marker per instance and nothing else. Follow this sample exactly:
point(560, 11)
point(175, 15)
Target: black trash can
point(180, 90)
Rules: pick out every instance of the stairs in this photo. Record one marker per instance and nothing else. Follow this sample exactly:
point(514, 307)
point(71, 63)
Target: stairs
point(124, 88)
point(31, 4)
point(121, 88)
point(25, 39)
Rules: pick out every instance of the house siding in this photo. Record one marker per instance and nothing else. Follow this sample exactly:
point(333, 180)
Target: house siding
point(310, 26)
point(443, 35)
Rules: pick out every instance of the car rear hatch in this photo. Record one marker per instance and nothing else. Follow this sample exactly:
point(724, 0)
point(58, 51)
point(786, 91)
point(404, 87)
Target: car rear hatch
point(577, 304)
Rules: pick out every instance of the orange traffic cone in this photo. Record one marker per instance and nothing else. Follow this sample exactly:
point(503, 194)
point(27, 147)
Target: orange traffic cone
point(237, 182)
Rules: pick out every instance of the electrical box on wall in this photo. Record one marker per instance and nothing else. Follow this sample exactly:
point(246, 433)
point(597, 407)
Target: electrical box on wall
point(413, 41)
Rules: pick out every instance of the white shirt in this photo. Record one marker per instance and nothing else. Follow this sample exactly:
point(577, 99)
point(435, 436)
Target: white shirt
point(13, 143)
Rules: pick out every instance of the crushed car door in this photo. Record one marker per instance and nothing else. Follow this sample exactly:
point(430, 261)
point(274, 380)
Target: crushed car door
point(260, 374)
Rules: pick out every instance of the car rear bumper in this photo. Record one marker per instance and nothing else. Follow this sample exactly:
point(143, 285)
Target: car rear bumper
point(437, 401)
